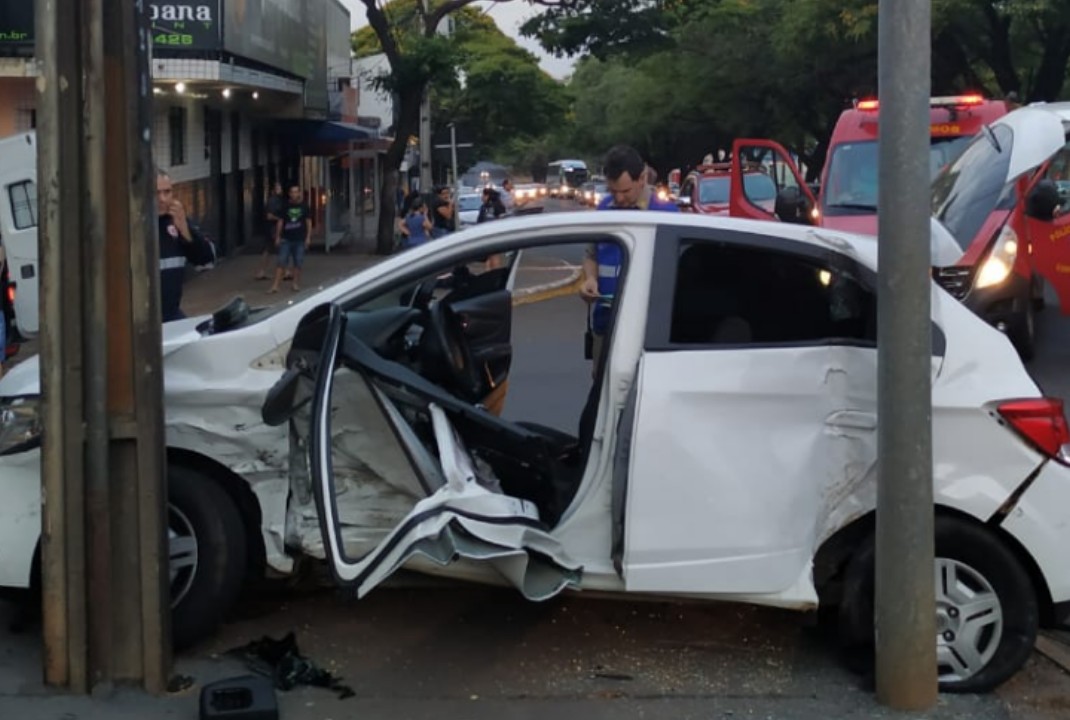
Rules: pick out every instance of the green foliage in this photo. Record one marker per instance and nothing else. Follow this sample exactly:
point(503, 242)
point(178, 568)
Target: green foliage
point(721, 69)
point(478, 77)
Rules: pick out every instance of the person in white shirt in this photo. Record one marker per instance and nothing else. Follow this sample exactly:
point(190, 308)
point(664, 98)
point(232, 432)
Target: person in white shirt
point(506, 194)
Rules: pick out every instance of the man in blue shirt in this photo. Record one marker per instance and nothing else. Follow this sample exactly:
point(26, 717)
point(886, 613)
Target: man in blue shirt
point(626, 182)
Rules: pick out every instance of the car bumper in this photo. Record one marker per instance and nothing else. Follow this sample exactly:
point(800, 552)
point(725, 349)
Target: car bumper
point(1040, 522)
point(20, 516)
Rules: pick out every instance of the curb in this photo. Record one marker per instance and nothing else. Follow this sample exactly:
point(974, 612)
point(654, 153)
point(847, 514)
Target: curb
point(547, 291)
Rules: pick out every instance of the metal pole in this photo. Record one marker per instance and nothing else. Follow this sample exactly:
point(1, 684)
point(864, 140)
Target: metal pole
point(425, 143)
point(453, 154)
point(456, 179)
point(905, 615)
point(425, 130)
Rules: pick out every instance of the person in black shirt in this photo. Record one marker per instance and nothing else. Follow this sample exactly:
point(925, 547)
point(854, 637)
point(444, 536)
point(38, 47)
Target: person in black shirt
point(442, 212)
point(180, 243)
point(293, 236)
point(273, 208)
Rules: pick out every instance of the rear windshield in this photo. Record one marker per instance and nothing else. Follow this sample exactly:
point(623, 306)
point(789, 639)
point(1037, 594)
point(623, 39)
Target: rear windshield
point(715, 190)
point(975, 184)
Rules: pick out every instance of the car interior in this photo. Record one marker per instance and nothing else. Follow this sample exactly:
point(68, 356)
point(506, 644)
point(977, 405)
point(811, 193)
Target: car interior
point(445, 340)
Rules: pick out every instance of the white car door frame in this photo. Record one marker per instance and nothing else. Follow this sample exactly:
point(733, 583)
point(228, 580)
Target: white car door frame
point(461, 518)
point(741, 447)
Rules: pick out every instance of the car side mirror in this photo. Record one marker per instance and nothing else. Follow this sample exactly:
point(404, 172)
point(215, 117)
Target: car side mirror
point(1042, 200)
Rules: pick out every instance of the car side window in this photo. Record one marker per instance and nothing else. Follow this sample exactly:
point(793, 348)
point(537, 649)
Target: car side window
point(729, 294)
point(1059, 172)
point(23, 198)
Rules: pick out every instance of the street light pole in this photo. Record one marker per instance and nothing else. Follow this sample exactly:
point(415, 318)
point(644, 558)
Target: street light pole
point(453, 154)
point(425, 130)
point(905, 615)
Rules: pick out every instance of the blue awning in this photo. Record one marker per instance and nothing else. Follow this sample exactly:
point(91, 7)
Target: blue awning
point(326, 131)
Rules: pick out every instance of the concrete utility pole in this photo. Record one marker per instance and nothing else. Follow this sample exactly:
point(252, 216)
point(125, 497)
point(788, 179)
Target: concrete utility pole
point(425, 131)
point(104, 571)
point(905, 613)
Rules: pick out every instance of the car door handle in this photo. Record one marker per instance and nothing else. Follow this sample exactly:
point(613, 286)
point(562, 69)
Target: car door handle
point(852, 419)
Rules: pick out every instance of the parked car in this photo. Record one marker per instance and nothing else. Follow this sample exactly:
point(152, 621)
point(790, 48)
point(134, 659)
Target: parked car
point(708, 189)
point(355, 426)
point(468, 209)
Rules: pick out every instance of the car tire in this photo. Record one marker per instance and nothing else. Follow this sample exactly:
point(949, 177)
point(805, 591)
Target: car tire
point(206, 583)
point(1023, 331)
point(971, 562)
point(1039, 302)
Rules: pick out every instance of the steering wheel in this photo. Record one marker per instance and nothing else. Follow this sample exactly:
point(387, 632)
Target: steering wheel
point(455, 354)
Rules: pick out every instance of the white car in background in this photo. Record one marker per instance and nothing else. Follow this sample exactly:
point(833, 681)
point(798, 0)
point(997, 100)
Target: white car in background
point(468, 209)
point(727, 450)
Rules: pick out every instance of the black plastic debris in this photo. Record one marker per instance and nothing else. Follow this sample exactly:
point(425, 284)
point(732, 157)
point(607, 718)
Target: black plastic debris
point(282, 661)
point(243, 698)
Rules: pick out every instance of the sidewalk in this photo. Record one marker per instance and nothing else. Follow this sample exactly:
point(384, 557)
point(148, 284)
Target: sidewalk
point(207, 291)
point(537, 279)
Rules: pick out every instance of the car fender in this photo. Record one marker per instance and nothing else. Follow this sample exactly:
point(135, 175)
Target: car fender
point(20, 516)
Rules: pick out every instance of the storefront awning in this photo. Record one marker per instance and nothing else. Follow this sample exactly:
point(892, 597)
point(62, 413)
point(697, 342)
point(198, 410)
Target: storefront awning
point(319, 132)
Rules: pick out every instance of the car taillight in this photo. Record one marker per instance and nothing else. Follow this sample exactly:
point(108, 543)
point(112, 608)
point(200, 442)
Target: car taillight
point(1041, 421)
point(11, 293)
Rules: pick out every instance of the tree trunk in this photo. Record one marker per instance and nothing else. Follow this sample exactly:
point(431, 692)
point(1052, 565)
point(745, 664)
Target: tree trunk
point(1051, 75)
point(408, 125)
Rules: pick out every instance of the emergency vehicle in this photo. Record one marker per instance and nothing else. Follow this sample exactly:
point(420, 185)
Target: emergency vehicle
point(847, 199)
point(18, 232)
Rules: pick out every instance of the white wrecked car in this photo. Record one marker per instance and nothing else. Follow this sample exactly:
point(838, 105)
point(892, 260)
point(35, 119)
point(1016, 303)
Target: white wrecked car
point(728, 449)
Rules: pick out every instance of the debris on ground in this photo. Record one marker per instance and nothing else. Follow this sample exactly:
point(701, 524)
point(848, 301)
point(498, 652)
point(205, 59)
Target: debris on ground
point(281, 660)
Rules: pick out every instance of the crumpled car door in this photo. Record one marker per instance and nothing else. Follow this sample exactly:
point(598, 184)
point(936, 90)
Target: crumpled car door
point(465, 515)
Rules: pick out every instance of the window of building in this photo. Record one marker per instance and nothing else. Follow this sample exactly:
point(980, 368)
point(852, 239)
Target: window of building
point(23, 198)
point(176, 123)
point(25, 119)
point(733, 295)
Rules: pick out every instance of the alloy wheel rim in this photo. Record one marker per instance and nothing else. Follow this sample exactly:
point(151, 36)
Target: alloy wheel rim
point(969, 621)
point(182, 554)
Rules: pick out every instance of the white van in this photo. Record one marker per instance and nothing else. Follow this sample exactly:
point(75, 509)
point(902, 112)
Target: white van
point(18, 225)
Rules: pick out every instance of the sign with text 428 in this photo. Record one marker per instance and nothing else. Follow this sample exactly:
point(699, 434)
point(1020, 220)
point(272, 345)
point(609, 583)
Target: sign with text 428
point(180, 25)
point(186, 25)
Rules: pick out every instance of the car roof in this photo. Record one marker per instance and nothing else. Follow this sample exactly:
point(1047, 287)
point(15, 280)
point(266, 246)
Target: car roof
point(862, 247)
point(1062, 109)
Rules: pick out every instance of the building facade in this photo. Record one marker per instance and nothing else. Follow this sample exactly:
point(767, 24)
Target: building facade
point(241, 90)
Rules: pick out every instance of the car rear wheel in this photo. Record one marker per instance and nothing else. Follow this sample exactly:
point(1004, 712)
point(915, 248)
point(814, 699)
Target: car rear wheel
point(207, 553)
point(986, 608)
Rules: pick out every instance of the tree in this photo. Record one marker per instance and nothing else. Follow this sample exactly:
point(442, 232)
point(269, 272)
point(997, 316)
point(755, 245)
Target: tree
point(407, 33)
point(782, 69)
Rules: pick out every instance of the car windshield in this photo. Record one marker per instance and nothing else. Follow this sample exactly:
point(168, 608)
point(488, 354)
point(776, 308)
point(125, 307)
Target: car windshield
point(852, 185)
point(715, 190)
point(466, 203)
point(975, 184)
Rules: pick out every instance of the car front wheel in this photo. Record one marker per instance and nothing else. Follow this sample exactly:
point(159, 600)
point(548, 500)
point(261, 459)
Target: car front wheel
point(986, 607)
point(207, 553)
